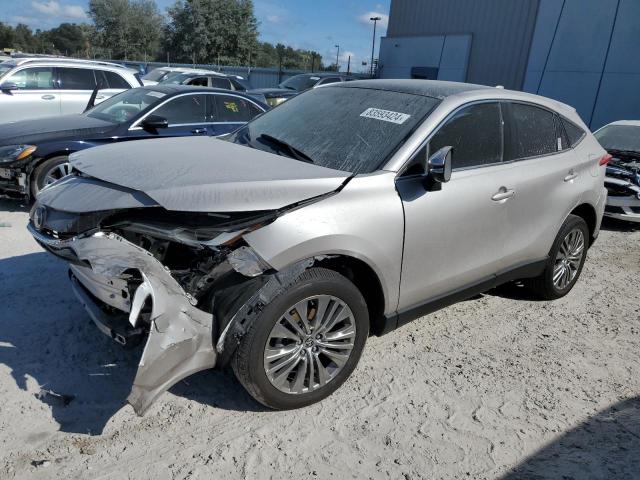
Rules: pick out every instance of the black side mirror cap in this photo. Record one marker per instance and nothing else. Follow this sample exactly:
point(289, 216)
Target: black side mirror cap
point(8, 87)
point(439, 168)
point(154, 122)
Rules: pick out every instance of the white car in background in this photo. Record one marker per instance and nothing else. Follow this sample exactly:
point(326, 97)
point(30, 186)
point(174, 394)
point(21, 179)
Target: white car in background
point(46, 87)
point(160, 74)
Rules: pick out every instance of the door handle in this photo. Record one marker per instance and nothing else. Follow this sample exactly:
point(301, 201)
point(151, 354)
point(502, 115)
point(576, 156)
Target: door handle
point(503, 194)
point(199, 131)
point(572, 175)
point(48, 97)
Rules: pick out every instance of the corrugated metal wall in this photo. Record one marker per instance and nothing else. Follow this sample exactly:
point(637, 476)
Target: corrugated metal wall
point(501, 31)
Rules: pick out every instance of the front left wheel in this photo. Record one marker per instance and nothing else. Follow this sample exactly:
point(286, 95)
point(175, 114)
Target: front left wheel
point(49, 171)
point(305, 343)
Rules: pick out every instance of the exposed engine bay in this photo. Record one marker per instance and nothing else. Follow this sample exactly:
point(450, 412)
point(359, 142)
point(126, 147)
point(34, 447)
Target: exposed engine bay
point(623, 185)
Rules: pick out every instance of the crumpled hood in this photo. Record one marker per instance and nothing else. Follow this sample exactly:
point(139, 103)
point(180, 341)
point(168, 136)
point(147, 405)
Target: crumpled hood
point(53, 128)
point(205, 174)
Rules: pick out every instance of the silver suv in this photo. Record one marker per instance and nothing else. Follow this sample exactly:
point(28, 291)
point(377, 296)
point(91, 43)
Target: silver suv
point(348, 210)
point(44, 87)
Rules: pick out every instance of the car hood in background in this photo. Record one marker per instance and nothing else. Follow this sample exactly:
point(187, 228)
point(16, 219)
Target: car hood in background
point(274, 92)
point(40, 130)
point(204, 174)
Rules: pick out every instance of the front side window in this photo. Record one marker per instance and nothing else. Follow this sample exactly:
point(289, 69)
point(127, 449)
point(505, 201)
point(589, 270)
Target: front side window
point(184, 110)
point(33, 78)
point(475, 133)
point(532, 132)
point(198, 82)
point(350, 129)
point(76, 79)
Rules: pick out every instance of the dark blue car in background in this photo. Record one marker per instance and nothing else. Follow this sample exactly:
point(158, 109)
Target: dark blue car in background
point(34, 153)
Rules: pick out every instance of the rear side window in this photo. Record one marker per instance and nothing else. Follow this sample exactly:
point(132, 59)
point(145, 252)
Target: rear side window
point(234, 109)
point(76, 79)
point(34, 78)
point(184, 110)
point(574, 132)
point(198, 82)
point(532, 132)
point(221, 83)
point(475, 133)
point(115, 81)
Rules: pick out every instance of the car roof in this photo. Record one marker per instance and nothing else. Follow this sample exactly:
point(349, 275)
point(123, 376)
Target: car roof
point(56, 61)
point(428, 88)
point(633, 123)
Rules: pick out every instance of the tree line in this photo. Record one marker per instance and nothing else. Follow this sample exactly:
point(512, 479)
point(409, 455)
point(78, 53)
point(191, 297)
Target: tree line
point(223, 32)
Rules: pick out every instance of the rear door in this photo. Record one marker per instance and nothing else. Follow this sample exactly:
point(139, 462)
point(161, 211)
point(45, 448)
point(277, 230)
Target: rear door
point(35, 97)
point(75, 85)
point(547, 183)
point(230, 112)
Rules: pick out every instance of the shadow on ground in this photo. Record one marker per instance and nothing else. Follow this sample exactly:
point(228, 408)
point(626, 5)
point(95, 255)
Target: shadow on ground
point(615, 225)
point(607, 447)
point(48, 342)
point(8, 204)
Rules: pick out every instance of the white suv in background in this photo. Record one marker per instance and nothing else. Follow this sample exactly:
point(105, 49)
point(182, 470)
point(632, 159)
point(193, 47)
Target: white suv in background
point(44, 87)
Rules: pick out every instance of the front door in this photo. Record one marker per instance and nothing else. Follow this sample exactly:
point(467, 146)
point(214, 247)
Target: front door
point(454, 238)
point(35, 97)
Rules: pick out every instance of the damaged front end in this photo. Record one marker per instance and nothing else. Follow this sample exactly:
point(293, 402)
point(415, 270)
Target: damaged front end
point(147, 272)
point(623, 185)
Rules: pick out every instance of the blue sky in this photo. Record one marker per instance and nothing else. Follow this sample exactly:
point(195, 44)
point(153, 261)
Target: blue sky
point(309, 24)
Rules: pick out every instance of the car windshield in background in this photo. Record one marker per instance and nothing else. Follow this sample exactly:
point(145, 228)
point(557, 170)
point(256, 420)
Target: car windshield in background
point(155, 75)
point(176, 78)
point(349, 129)
point(126, 105)
point(625, 138)
point(300, 82)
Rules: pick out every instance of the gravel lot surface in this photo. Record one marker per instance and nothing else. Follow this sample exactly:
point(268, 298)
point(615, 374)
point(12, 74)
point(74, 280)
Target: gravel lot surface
point(500, 386)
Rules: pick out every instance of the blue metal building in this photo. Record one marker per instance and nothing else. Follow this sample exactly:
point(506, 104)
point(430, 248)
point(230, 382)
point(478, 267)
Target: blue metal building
point(582, 52)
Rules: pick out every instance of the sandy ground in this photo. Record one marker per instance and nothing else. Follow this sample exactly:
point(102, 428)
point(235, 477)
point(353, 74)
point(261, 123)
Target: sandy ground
point(500, 386)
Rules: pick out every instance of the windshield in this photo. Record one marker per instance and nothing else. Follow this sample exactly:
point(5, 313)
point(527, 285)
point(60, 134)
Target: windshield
point(176, 78)
point(620, 137)
point(300, 82)
point(349, 129)
point(156, 75)
point(5, 67)
point(126, 105)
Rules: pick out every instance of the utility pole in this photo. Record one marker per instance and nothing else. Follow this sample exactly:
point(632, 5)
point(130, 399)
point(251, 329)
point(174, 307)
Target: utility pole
point(338, 59)
point(349, 66)
point(373, 46)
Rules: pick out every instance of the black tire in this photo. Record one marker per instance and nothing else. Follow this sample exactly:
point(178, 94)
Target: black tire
point(39, 175)
point(248, 360)
point(544, 286)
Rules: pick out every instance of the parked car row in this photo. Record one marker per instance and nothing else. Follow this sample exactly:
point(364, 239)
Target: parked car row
point(347, 210)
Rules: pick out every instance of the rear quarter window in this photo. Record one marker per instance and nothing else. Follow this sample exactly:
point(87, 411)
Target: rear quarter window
point(574, 133)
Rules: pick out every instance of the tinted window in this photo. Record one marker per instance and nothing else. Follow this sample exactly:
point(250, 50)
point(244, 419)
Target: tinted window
point(475, 133)
point(221, 83)
point(198, 82)
point(76, 79)
point(115, 81)
point(186, 109)
point(349, 129)
point(233, 109)
point(532, 132)
point(300, 82)
point(574, 132)
point(34, 78)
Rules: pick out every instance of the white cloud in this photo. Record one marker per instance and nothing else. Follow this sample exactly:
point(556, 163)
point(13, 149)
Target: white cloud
point(275, 19)
point(365, 18)
point(52, 8)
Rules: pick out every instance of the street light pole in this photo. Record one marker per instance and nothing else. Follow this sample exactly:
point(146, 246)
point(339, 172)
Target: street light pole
point(338, 59)
point(373, 46)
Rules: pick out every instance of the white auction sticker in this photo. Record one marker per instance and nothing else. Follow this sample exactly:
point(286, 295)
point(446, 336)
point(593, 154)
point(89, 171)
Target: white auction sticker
point(385, 115)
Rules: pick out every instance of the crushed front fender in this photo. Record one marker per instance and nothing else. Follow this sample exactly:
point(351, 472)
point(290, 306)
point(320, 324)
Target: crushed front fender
point(180, 334)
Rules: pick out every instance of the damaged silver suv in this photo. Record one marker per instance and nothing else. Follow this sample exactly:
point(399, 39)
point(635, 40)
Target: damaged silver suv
point(348, 210)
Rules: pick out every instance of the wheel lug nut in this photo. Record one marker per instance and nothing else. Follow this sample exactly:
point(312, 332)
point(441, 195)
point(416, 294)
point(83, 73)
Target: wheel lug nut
point(315, 349)
point(318, 337)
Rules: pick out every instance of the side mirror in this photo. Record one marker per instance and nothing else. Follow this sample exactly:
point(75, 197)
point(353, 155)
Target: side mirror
point(8, 87)
point(439, 168)
point(154, 122)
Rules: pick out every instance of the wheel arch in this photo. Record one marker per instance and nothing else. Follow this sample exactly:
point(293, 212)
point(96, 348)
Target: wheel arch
point(588, 213)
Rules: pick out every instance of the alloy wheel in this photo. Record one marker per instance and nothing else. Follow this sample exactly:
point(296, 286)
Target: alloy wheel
point(57, 172)
point(568, 259)
point(310, 344)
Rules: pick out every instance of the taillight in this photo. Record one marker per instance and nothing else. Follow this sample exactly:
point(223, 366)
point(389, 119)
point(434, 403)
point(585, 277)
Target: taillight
point(605, 160)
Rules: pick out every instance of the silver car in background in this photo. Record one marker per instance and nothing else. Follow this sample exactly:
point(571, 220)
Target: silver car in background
point(348, 210)
point(47, 87)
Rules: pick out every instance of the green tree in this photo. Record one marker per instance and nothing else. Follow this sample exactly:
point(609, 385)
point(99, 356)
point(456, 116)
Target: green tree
point(23, 39)
point(126, 28)
point(6, 36)
point(211, 31)
point(67, 39)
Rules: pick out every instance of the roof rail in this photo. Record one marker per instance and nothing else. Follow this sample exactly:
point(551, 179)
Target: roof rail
point(23, 60)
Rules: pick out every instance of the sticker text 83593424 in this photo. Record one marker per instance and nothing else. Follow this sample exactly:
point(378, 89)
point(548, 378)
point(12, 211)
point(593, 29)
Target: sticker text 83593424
point(385, 115)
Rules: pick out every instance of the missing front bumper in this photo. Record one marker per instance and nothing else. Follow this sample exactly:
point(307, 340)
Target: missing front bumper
point(180, 335)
